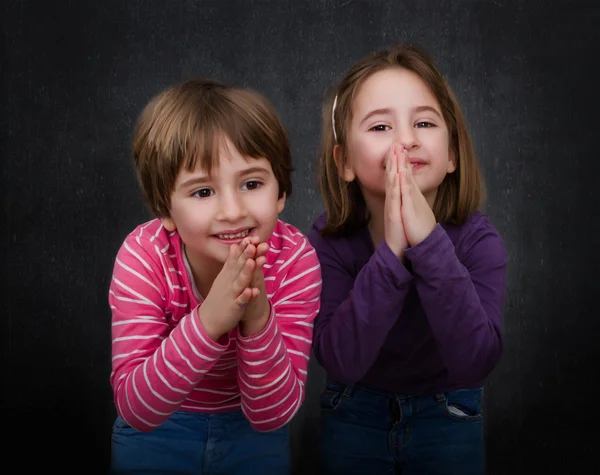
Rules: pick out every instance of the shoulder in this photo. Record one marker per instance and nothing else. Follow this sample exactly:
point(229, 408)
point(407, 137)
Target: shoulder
point(286, 237)
point(347, 251)
point(319, 240)
point(320, 222)
point(478, 226)
point(287, 243)
point(149, 241)
point(147, 262)
point(290, 251)
point(478, 238)
point(149, 235)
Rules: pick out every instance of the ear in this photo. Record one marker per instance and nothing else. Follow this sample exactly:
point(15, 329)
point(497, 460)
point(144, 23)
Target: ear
point(451, 161)
point(344, 169)
point(169, 224)
point(281, 203)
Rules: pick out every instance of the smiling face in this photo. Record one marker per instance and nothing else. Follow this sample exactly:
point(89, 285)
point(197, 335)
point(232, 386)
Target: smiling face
point(240, 197)
point(395, 106)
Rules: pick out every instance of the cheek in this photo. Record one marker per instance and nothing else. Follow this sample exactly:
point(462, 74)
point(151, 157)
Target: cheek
point(438, 148)
point(369, 152)
point(266, 205)
point(444, 143)
point(196, 218)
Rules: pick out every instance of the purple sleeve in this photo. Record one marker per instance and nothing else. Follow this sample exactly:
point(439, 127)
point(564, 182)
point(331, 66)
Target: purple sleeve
point(356, 312)
point(463, 297)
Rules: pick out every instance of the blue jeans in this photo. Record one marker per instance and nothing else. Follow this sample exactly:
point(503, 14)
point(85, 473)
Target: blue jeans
point(200, 444)
point(367, 432)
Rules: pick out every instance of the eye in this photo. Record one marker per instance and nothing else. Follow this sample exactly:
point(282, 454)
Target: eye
point(424, 124)
point(203, 193)
point(380, 128)
point(251, 185)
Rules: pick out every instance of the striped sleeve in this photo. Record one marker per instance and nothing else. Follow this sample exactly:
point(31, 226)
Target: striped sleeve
point(154, 366)
point(273, 364)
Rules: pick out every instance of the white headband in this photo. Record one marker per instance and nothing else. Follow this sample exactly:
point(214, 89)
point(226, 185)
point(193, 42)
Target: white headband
point(333, 118)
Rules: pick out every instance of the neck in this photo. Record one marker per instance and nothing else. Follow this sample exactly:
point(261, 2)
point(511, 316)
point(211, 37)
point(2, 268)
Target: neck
point(430, 197)
point(375, 208)
point(203, 273)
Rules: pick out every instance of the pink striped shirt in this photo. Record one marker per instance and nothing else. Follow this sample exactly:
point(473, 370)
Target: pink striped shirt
point(163, 360)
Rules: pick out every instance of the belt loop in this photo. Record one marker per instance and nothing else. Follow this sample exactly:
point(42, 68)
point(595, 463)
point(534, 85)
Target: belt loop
point(348, 391)
point(440, 397)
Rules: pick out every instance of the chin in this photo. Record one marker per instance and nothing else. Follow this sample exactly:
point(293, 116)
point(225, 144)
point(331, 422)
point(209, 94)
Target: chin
point(218, 256)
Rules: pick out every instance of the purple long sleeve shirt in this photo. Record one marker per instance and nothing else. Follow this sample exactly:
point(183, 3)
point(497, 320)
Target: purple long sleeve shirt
point(431, 323)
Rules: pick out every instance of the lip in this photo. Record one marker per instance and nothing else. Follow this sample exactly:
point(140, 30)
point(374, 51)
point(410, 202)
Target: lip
point(234, 231)
point(414, 162)
point(236, 240)
point(417, 163)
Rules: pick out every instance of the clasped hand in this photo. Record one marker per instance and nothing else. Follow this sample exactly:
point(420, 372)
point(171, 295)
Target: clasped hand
point(238, 294)
point(408, 217)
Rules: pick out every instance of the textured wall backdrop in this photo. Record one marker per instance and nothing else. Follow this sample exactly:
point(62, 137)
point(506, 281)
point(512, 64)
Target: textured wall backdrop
point(76, 74)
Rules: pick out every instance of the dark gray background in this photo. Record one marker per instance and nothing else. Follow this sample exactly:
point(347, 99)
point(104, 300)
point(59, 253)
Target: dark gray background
point(76, 74)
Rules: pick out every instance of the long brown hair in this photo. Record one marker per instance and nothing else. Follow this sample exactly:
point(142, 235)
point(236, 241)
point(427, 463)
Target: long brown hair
point(461, 193)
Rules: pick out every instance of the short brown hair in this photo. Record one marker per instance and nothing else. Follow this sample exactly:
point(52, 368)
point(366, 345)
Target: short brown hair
point(461, 192)
point(183, 124)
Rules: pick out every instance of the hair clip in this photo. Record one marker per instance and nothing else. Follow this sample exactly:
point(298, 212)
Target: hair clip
point(333, 118)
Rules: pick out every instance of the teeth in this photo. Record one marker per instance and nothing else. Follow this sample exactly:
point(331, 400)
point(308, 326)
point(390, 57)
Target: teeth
point(234, 236)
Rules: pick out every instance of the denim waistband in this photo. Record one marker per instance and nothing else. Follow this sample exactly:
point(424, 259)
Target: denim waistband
point(348, 389)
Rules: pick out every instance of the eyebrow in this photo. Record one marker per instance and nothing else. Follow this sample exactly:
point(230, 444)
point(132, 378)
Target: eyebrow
point(199, 180)
point(194, 181)
point(383, 111)
point(428, 109)
point(387, 110)
point(251, 170)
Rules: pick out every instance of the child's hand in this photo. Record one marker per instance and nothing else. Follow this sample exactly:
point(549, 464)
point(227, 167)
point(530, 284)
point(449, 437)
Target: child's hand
point(394, 230)
point(230, 293)
point(417, 215)
point(258, 310)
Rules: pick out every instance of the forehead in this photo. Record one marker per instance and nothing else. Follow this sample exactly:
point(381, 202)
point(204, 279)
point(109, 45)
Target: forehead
point(394, 88)
point(225, 160)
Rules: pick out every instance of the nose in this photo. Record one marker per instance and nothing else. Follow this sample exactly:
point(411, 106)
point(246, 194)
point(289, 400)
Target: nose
point(231, 207)
point(406, 136)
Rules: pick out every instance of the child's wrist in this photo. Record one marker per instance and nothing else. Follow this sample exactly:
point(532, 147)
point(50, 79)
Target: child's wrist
point(253, 326)
point(213, 331)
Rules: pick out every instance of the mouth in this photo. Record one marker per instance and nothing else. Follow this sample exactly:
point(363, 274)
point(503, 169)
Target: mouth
point(416, 163)
point(233, 236)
